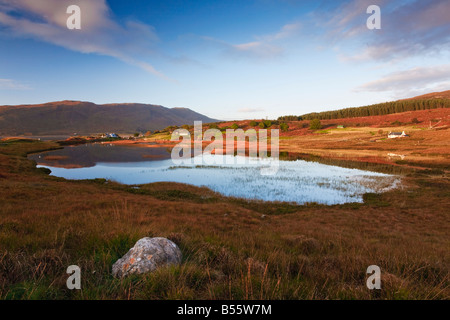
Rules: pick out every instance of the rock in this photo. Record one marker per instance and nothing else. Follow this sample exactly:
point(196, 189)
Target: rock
point(147, 255)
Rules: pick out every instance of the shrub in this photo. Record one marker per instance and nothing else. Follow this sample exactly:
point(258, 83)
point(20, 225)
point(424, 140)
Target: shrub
point(268, 123)
point(315, 124)
point(253, 123)
point(170, 129)
point(284, 126)
point(235, 126)
point(262, 125)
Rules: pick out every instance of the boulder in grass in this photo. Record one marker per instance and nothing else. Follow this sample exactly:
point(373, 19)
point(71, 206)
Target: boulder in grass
point(147, 255)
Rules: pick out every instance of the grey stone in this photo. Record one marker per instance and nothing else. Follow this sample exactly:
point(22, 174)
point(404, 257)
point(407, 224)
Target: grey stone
point(147, 255)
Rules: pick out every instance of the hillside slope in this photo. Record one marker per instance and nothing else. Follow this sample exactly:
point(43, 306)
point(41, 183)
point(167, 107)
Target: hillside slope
point(434, 100)
point(433, 95)
point(68, 117)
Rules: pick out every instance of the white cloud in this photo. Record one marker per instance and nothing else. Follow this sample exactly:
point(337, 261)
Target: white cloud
point(413, 81)
point(256, 49)
point(287, 31)
point(10, 84)
point(46, 20)
point(408, 28)
point(262, 47)
point(250, 110)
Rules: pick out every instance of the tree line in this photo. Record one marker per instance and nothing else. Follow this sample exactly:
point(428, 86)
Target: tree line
point(373, 110)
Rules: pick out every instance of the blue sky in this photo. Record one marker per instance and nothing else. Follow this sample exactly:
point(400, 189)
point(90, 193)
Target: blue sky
point(226, 59)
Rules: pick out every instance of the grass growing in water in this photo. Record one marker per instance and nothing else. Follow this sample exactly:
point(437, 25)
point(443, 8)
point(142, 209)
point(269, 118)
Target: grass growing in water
point(232, 249)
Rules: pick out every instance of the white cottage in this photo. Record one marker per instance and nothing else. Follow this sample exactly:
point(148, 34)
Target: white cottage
point(392, 135)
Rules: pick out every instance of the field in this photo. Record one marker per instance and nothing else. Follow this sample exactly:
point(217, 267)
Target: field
point(233, 248)
point(364, 139)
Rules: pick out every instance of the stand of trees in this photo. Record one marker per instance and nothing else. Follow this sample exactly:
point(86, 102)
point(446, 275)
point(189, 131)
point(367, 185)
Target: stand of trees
point(290, 118)
point(373, 110)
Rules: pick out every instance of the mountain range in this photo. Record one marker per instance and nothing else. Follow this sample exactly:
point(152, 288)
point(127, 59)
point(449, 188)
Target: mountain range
point(69, 117)
point(86, 118)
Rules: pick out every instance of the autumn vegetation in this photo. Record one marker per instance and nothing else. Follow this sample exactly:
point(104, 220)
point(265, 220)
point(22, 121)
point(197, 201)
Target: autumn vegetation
point(232, 248)
point(374, 110)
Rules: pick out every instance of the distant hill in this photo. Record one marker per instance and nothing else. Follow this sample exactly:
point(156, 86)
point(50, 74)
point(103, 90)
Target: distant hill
point(433, 95)
point(429, 101)
point(69, 117)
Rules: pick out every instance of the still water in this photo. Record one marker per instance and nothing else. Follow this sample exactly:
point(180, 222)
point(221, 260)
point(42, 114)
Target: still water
point(295, 181)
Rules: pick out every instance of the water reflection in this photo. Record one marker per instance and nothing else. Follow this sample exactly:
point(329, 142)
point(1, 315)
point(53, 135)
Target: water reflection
point(296, 181)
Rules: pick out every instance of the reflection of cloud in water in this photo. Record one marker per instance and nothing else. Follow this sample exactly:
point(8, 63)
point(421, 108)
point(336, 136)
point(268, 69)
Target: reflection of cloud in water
point(296, 181)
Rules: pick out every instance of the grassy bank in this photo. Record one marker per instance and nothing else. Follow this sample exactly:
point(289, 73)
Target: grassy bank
point(232, 248)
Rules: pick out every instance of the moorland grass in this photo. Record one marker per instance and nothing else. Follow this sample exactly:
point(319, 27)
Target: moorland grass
point(232, 248)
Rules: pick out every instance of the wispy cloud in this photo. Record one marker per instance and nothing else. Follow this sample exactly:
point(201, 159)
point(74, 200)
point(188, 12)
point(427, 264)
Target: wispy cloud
point(10, 84)
point(260, 47)
point(409, 28)
point(415, 80)
point(251, 110)
point(46, 20)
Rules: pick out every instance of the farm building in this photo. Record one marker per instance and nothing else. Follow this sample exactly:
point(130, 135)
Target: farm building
point(392, 135)
point(110, 135)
